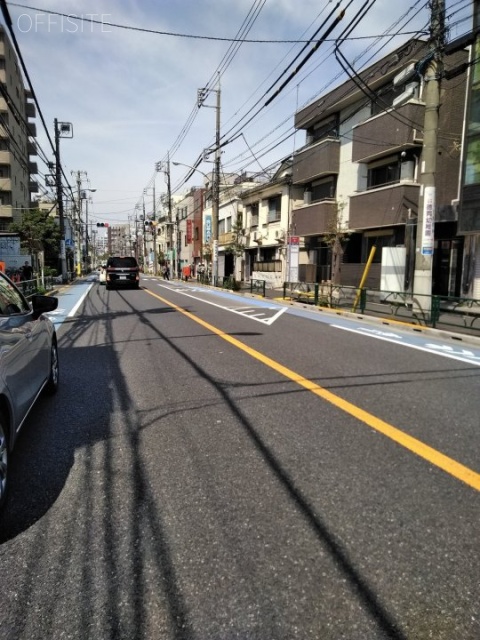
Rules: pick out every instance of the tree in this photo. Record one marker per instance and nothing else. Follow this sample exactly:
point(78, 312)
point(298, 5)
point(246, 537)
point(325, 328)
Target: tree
point(38, 231)
point(336, 238)
point(237, 243)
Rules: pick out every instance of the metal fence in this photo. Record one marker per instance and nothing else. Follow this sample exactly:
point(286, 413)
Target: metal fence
point(461, 314)
point(253, 286)
point(37, 285)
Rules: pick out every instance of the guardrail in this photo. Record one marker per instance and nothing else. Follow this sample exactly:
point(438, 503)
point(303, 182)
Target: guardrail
point(253, 286)
point(36, 285)
point(433, 311)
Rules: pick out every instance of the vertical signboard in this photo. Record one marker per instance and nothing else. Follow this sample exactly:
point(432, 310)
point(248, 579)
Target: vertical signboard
point(207, 229)
point(428, 221)
point(293, 258)
point(189, 231)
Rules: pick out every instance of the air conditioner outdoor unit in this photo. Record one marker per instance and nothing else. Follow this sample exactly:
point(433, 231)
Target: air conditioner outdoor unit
point(279, 234)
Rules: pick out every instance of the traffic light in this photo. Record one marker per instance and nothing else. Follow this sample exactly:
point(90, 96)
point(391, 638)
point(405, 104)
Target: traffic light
point(102, 224)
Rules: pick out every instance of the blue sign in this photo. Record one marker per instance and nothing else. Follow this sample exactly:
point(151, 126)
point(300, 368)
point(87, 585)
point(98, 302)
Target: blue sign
point(208, 229)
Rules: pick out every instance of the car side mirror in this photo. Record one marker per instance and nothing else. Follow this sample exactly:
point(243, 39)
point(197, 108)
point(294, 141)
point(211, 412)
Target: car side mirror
point(43, 304)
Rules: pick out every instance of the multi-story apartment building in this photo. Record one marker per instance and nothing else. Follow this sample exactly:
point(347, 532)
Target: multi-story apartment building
point(119, 241)
point(266, 217)
point(469, 205)
point(359, 169)
point(17, 135)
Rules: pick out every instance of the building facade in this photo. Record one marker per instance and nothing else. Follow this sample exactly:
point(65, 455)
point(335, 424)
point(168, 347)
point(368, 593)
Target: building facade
point(17, 138)
point(360, 166)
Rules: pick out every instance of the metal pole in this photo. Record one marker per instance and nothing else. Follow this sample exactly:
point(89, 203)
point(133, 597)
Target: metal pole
point(422, 284)
point(58, 181)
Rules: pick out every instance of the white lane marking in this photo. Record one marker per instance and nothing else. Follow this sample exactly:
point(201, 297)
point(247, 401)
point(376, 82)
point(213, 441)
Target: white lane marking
point(82, 298)
point(267, 321)
point(462, 355)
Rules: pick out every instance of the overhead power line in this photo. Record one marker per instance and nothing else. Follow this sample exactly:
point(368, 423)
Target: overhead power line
point(81, 18)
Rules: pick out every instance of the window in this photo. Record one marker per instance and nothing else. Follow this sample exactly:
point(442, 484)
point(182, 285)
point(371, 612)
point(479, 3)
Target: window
point(325, 129)
point(382, 174)
point(274, 209)
point(385, 96)
point(253, 214)
point(324, 189)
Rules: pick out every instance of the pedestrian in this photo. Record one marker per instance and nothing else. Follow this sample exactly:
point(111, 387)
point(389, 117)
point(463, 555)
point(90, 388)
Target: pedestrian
point(166, 272)
point(27, 271)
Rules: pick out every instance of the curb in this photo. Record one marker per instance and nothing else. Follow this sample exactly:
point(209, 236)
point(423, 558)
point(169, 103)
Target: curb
point(416, 328)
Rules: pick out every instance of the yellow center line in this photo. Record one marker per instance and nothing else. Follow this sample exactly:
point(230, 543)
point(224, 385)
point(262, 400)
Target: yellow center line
point(450, 466)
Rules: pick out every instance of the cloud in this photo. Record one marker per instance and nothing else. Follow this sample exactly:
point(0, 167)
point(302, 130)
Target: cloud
point(129, 93)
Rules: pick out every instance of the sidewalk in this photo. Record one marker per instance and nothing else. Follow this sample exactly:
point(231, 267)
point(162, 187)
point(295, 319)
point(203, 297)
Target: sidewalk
point(450, 325)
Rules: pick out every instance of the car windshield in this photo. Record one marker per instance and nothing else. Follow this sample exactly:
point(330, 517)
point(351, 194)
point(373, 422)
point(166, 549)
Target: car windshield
point(122, 262)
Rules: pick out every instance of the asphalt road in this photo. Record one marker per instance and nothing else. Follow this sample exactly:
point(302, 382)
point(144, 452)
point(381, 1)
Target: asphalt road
point(216, 468)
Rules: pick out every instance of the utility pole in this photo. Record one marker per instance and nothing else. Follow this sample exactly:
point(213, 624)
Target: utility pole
point(216, 193)
point(58, 184)
point(422, 283)
point(144, 222)
point(154, 233)
point(78, 233)
point(165, 167)
point(201, 96)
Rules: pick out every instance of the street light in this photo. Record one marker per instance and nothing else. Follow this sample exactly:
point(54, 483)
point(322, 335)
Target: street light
point(62, 130)
point(85, 197)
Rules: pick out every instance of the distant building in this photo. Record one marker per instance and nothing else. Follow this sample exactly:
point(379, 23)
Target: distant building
point(17, 135)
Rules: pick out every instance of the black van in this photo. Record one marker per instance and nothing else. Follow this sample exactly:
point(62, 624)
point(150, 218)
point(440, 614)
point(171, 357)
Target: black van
point(122, 271)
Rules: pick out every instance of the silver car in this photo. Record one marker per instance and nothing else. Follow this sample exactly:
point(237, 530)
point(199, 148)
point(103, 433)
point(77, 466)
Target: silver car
point(28, 363)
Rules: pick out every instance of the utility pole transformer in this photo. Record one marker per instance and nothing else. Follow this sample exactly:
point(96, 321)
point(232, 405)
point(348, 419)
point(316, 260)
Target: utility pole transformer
point(422, 283)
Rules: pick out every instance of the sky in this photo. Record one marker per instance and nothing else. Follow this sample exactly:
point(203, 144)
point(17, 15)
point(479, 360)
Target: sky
point(126, 75)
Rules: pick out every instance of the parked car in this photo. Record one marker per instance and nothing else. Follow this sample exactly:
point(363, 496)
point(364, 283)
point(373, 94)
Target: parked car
point(122, 271)
point(28, 363)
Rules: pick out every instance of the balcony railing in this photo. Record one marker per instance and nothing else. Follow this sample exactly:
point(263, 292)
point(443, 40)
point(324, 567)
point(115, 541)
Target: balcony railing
point(314, 219)
point(389, 132)
point(322, 158)
point(385, 206)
